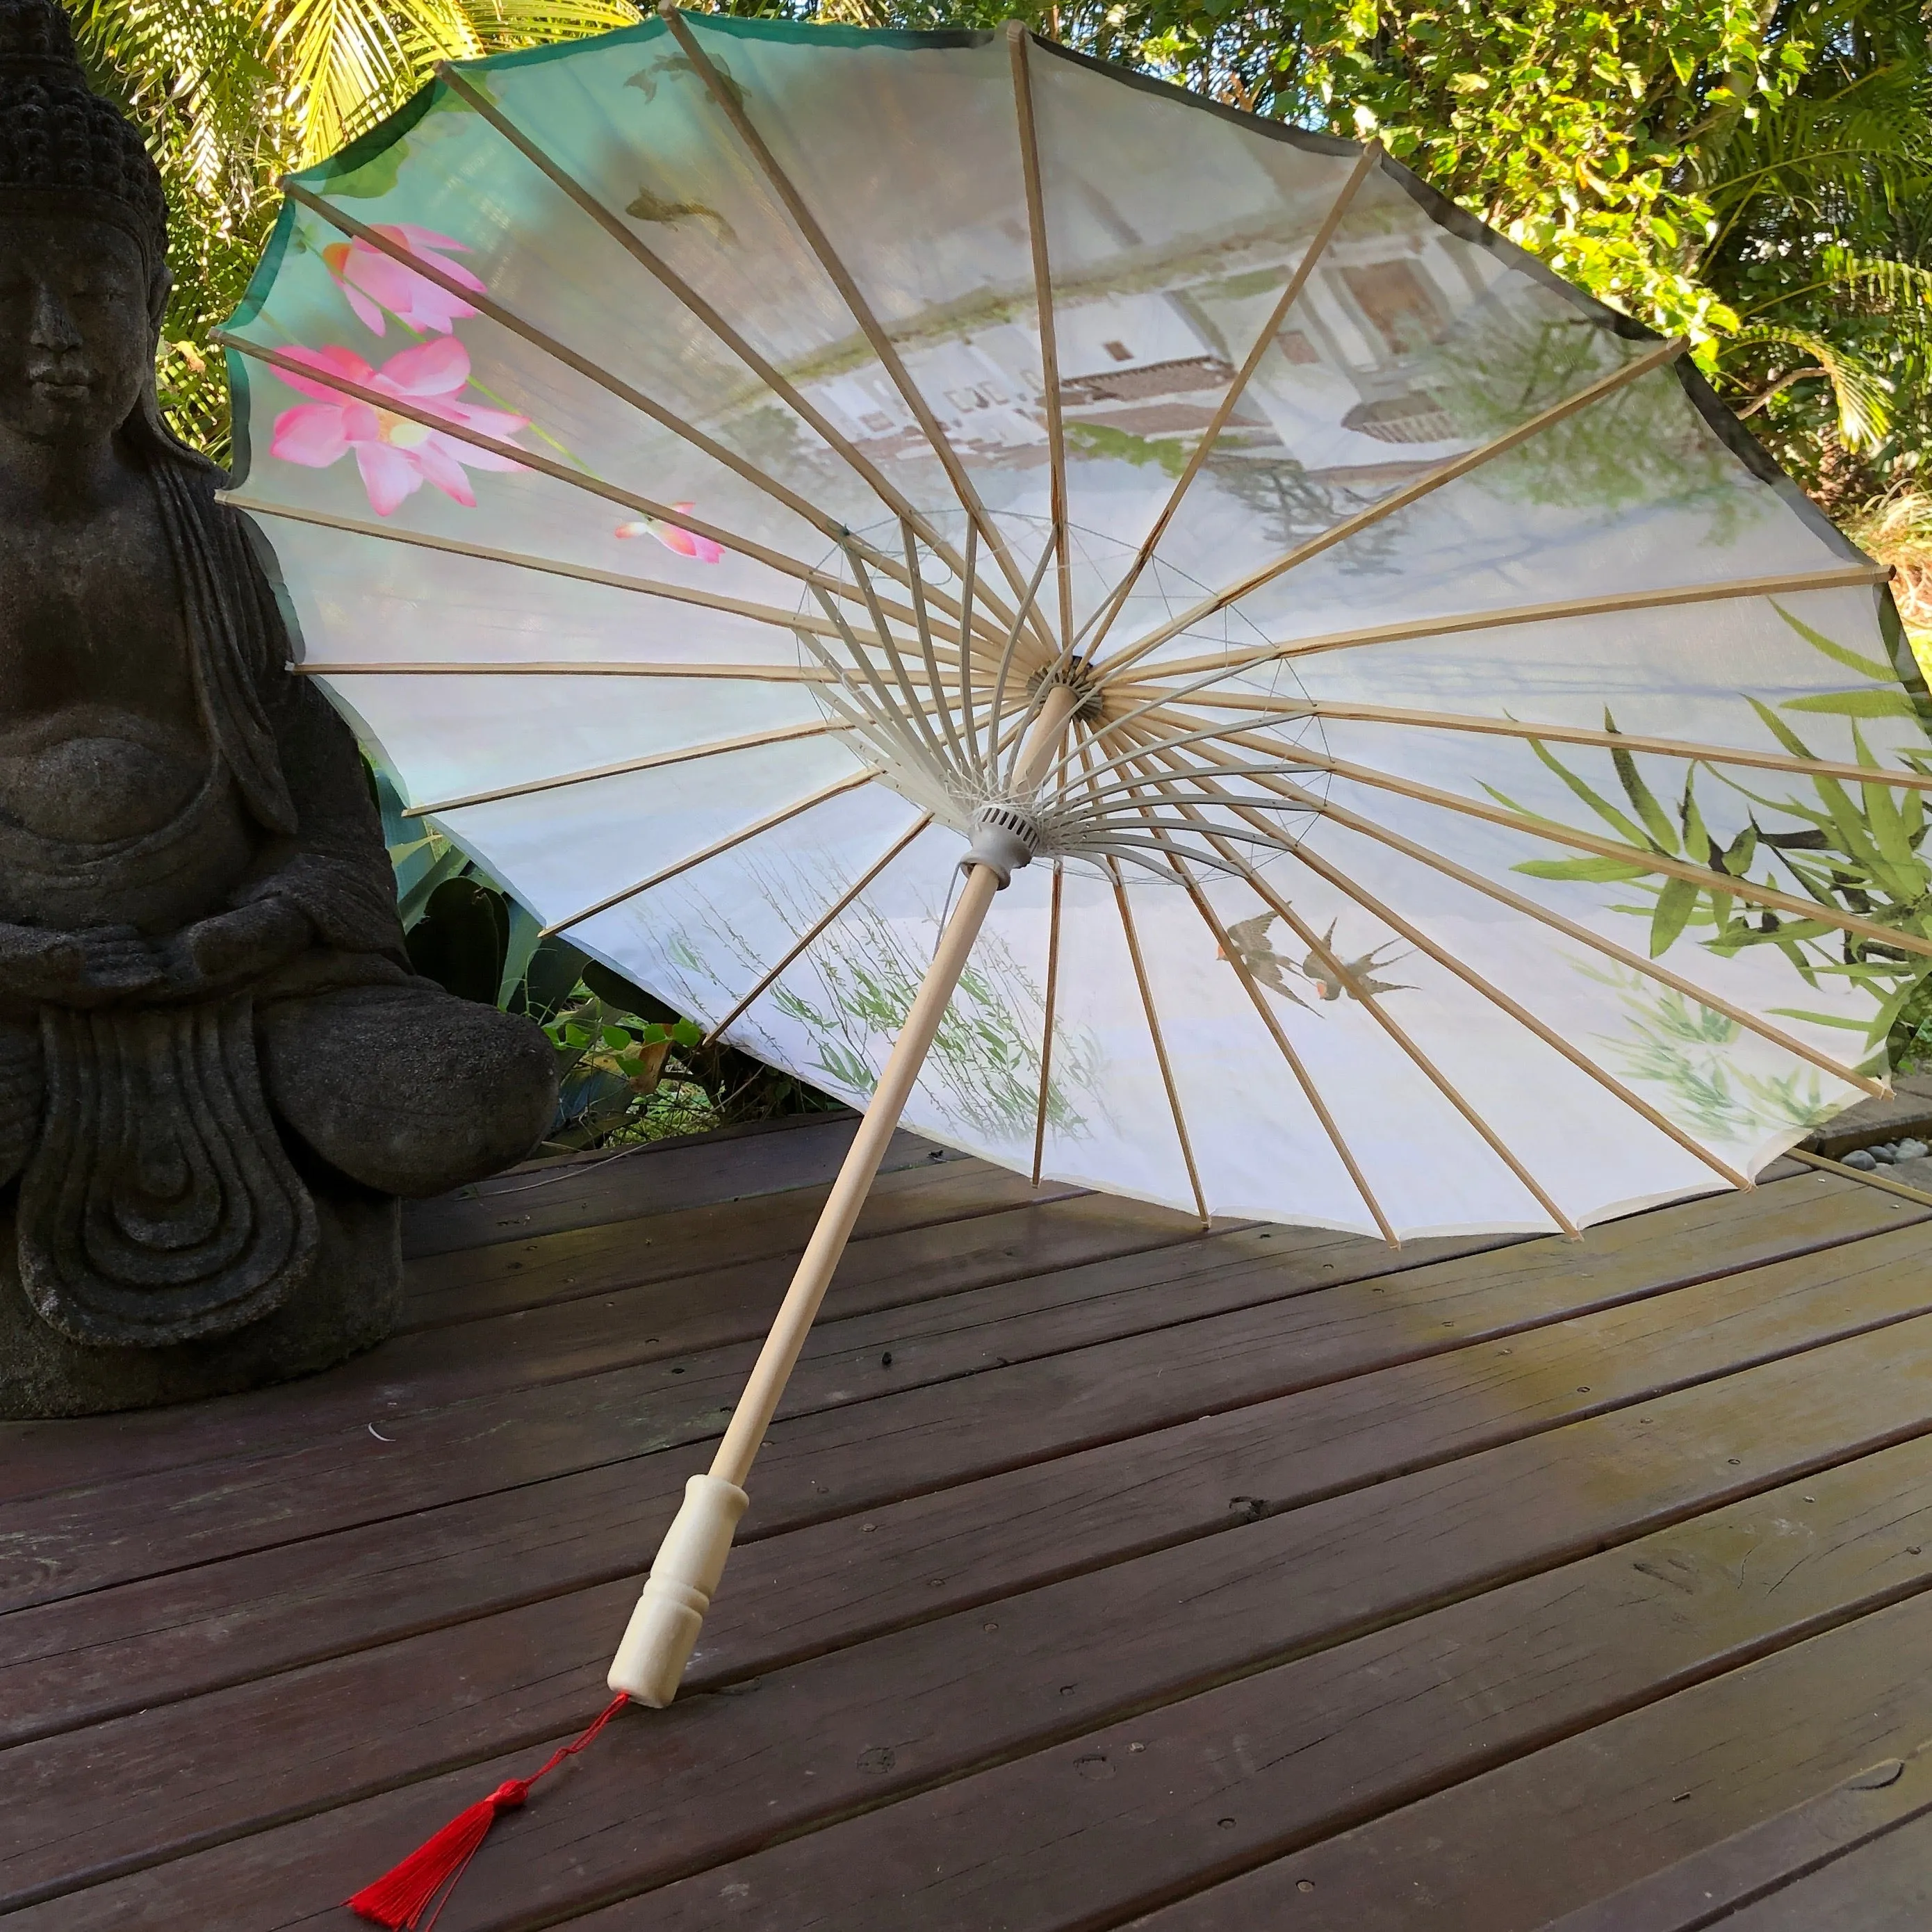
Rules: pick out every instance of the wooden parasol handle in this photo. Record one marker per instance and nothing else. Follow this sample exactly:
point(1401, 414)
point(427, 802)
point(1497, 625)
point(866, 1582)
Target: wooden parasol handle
point(663, 1627)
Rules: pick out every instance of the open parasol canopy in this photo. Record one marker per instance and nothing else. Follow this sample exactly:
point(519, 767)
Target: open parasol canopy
point(1417, 765)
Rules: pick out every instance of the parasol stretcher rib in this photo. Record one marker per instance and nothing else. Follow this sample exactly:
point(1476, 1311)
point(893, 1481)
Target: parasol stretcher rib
point(1397, 499)
point(664, 1628)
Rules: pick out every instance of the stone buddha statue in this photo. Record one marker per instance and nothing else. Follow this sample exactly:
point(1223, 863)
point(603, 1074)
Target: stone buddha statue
point(217, 1071)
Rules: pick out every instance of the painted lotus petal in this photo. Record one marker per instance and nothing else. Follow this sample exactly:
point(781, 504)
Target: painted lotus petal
point(388, 475)
point(499, 423)
point(313, 434)
point(333, 361)
point(468, 453)
point(406, 295)
point(416, 238)
point(688, 543)
point(439, 465)
point(365, 310)
point(439, 368)
point(426, 243)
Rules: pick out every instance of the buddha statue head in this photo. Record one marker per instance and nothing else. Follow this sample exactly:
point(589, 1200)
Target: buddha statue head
point(83, 246)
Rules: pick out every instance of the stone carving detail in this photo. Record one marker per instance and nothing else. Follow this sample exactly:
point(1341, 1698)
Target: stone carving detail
point(217, 1069)
point(159, 1203)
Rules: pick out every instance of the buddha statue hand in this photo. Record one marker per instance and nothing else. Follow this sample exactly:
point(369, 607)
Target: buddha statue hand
point(233, 949)
point(94, 967)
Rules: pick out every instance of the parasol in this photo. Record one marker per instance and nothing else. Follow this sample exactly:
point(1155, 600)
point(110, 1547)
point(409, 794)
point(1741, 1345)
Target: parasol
point(1415, 764)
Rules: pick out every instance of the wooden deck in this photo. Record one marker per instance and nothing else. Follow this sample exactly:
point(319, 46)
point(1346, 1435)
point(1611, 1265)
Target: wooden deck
point(1100, 1573)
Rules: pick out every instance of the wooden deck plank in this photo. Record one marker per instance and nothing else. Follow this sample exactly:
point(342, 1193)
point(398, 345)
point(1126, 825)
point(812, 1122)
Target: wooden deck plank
point(737, 1163)
point(1611, 1811)
point(1883, 1886)
point(417, 1373)
point(220, 1623)
point(65, 1544)
point(1085, 1832)
point(1090, 1823)
point(1740, 1870)
point(1110, 1438)
point(1714, 1325)
point(512, 1277)
point(1368, 1557)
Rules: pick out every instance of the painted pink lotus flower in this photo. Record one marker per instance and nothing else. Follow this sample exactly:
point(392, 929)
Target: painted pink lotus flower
point(686, 543)
point(395, 454)
point(372, 281)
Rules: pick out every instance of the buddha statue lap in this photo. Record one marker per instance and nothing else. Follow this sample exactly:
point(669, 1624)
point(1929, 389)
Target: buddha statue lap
point(217, 1071)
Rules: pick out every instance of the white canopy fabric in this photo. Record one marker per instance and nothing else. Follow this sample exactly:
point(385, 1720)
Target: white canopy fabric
point(633, 421)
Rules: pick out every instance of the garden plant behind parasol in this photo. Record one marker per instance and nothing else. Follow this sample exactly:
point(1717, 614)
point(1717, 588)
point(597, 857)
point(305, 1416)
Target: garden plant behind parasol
point(1416, 764)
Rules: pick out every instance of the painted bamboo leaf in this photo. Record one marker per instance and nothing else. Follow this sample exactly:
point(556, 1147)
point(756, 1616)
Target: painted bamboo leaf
point(1674, 904)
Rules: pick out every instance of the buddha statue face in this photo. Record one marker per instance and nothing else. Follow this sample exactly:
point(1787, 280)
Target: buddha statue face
point(79, 317)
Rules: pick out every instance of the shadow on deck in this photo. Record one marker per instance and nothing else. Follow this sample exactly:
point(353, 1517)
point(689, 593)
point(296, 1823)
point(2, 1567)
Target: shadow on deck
point(1098, 1573)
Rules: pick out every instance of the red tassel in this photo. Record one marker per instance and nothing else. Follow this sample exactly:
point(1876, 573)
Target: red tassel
point(400, 1897)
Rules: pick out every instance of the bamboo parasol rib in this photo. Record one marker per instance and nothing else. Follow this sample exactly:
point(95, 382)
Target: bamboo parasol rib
point(1370, 159)
point(1559, 734)
point(1636, 962)
point(769, 822)
point(676, 593)
point(1610, 848)
point(841, 278)
point(811, 935)
point(683, 755)
point(1504, 1003)
point(1111, 668)
point(1849, 577)
point(1159, 1043)
point(1046, 1023)
point(694, 304)
point(1018, 40)
point(531, 459)
point(748, 673)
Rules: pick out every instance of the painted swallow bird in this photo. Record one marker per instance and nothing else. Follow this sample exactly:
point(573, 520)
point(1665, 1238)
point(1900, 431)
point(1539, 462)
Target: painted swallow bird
point(1267, 967)
point(1352, 976)
point(1249, 940)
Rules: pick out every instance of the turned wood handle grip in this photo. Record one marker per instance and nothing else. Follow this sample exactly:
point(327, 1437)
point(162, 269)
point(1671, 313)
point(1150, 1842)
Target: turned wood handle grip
point(663, 1627)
